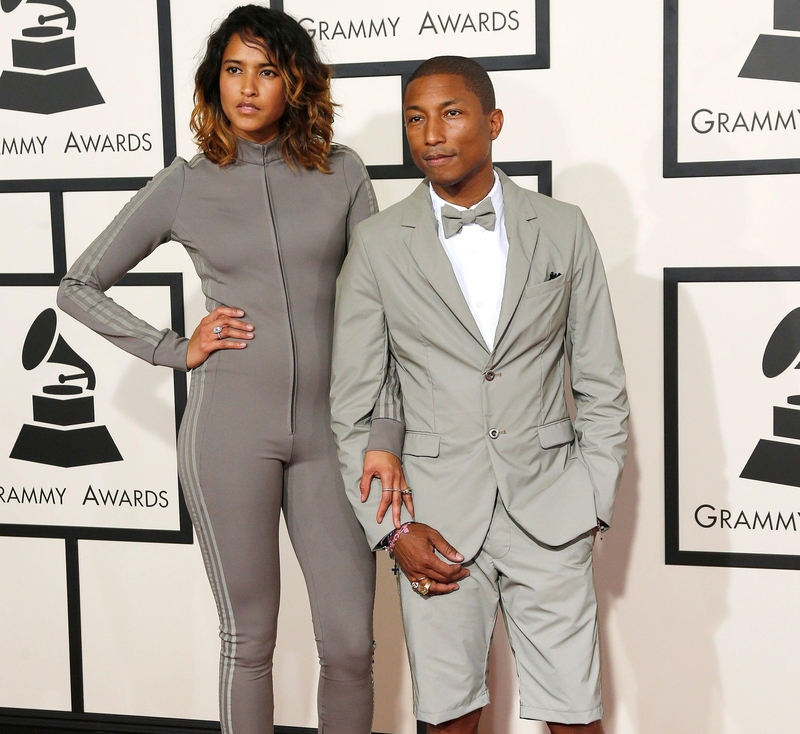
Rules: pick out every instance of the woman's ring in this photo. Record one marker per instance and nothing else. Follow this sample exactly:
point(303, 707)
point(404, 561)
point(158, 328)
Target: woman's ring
point(407, 490)
point(218, 331)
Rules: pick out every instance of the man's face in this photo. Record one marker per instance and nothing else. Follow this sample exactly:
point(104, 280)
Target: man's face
point(449, 134)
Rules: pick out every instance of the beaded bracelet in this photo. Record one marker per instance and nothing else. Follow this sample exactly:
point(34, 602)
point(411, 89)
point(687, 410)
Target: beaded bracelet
point(396, 535)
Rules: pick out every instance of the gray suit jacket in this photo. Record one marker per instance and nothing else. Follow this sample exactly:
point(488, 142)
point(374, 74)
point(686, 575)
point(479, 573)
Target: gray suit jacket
point(478, 421)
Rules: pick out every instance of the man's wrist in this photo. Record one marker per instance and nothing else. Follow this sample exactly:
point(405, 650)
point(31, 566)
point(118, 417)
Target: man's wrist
point(390, 539)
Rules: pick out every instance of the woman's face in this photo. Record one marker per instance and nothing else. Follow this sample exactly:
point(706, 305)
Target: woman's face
point(251, 91)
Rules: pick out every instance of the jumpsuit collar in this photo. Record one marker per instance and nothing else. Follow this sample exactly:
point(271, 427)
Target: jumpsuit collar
point(250, 152)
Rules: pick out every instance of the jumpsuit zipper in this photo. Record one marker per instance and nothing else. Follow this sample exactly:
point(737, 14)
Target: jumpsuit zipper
point(286, 293)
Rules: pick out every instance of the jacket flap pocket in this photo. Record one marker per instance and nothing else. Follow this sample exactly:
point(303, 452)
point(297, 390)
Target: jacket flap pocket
point(556, 434)
point(421, 444)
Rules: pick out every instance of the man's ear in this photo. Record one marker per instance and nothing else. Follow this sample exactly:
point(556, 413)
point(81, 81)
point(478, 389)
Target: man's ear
point(496, 123)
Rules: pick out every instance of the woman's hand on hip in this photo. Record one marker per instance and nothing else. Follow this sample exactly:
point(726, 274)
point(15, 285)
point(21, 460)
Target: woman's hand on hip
point(221, 329)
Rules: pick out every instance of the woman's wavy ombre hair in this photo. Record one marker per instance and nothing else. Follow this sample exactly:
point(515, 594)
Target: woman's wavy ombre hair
point(306, 127)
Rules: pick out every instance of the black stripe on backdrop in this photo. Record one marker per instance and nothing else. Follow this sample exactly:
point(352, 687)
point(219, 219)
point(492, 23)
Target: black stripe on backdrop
point(59, 234)
point(23, 721)
point(74, 625)
point(543, 170)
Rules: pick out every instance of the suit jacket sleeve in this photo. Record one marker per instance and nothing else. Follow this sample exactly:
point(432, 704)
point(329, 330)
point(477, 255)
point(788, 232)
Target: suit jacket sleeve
point(359, 378)
point(387, 429)
point(597, 374)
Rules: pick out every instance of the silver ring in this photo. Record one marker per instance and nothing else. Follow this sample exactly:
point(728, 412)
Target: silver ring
point(388, 489)
point(218, 331)
point(406, 491)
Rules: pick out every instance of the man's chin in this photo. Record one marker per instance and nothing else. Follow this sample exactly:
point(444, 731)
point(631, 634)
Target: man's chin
point(439, 178)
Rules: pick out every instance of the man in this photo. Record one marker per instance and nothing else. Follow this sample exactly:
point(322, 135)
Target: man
point(478, 290)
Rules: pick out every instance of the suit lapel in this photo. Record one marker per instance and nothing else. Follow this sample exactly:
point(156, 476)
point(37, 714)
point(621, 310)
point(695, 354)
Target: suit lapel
point(523, 234)
point(423, 243)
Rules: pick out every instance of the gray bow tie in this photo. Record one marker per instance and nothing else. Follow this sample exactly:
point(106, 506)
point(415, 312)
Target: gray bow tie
point(454, 219)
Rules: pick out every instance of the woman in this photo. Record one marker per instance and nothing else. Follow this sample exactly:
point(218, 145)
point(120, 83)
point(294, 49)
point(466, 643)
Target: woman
point(265, 212)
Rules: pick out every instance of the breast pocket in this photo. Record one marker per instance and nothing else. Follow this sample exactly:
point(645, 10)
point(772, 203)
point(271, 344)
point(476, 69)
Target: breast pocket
point(535, 290)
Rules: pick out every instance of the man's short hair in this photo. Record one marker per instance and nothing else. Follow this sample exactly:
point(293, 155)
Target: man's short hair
point(473, 74)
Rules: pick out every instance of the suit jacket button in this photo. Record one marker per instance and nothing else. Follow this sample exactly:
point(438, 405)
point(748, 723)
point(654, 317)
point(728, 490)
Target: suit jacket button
point(494, 433)
point(489, 375)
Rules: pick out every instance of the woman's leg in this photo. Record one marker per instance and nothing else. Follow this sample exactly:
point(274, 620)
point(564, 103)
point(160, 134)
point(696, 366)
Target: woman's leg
point(339, 570)
point(234, 498)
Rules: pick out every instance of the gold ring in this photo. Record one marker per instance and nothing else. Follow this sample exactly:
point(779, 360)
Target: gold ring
point(422, 588)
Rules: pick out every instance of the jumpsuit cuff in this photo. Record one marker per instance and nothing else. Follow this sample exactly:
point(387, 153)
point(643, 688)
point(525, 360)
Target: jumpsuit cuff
point(171, 351)
point(387, 434)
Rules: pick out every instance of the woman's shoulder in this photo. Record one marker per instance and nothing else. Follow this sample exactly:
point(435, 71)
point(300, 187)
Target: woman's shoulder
point(198, 162)
point(177, 175)
point(348, 158)
point(196, 169)
point(348, 163)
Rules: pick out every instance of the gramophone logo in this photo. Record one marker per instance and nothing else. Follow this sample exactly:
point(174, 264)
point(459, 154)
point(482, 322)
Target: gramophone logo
point(63, 432)
point(47, 84)
point(778, 462)
point(777, 57)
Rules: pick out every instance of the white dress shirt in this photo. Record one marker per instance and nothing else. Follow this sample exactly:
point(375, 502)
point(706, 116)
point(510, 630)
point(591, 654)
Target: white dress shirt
point(479, 260)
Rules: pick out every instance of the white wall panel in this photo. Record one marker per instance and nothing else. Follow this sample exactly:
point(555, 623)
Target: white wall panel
point(370, 118)
point(149, 630)
point(27, 244)
point(34, 666)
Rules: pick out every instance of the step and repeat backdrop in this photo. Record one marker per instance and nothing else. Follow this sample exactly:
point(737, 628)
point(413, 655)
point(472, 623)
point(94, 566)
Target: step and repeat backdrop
point(665, 123)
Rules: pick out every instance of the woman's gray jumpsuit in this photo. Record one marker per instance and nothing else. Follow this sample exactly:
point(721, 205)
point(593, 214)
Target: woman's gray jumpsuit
point(256, 434)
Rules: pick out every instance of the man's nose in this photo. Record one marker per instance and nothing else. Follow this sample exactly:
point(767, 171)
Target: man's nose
point(434, 132)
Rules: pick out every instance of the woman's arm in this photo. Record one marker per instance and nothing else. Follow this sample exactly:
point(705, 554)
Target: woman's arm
point(387, 428)
point(147, 221)
point(144, 223)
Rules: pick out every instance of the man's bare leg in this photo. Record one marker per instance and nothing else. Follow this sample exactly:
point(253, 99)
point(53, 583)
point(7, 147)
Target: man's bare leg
point(596, 727)
point(466, 724)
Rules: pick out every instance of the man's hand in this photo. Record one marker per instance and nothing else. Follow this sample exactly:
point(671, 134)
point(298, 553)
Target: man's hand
point(414, 552)
point(388, 467)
